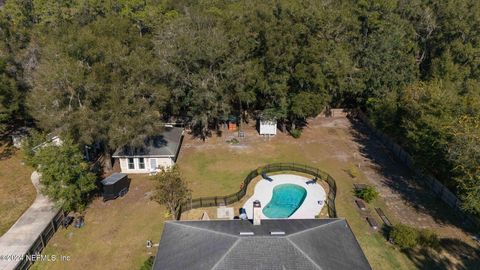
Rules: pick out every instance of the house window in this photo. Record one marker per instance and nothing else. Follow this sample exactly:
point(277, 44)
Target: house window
point(141, 163)
point(131, 165)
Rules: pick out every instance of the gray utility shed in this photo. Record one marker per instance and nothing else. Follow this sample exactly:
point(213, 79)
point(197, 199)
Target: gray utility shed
point(112, 179)
point(114, 186)
point(275, 244)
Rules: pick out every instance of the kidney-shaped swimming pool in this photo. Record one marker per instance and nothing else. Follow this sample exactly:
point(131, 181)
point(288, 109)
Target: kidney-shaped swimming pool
point(286, 199)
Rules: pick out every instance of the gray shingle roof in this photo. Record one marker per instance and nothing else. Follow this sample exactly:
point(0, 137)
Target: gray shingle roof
point(165, 144)
point(217, 244)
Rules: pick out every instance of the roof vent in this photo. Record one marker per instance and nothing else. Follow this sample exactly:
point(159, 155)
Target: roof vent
point(277, 233)
point(247, 233)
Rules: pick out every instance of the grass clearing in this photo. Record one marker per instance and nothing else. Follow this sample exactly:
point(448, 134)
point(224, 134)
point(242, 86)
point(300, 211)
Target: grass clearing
point(215, 168)
point(16, 189)
point(115, 233)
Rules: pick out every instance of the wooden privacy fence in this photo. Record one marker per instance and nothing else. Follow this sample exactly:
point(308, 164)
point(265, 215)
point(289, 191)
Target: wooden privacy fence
point(275, 167)
point(42, 240)
point(429, 181)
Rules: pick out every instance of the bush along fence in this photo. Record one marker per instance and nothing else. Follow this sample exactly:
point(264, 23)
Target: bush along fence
point(275, 167)
point(42, 240)
point(429, 181)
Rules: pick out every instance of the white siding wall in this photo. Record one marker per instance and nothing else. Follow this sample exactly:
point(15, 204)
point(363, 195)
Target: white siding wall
point(165, 162)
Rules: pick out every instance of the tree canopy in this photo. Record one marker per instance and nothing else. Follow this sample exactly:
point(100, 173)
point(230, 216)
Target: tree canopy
point(170, 189)
point(108, 72)
point(66, 177)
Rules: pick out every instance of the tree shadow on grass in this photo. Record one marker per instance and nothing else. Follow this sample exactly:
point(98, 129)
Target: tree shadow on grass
point(402, 181)
point(460, 256)
point(7, 151)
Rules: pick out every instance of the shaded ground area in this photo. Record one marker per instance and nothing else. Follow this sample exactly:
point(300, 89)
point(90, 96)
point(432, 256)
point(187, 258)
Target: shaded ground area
point(115, 233)
point(16, 190)
point(413, 204)
point(454, 254)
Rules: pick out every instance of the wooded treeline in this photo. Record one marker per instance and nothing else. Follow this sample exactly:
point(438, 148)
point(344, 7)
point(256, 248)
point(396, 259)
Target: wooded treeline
point(110, 71)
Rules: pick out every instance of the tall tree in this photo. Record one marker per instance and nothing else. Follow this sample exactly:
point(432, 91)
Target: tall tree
point(464, 151)
point(100, 84)
point(170, 189)
point(195, 74)
point(10, 98)
point(17, 59)
point(65, 176)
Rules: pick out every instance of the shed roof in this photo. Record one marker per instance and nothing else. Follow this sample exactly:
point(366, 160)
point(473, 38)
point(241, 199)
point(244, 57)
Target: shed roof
point(165, 144)
point(217, 244)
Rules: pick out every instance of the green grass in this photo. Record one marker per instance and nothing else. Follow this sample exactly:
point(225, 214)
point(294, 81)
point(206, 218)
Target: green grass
point(220, 170)
point(115, 233)
point(16, 190)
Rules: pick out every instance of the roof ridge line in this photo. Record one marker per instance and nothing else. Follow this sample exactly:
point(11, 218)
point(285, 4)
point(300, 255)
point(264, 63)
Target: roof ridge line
point(203, 229)
point(304, 254)
point(313, 228)
point(226, 253)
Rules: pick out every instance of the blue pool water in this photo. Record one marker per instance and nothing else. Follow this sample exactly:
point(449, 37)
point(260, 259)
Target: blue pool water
point(286, 199)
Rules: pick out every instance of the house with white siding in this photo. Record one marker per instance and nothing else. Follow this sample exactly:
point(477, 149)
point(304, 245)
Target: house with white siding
point(155, 153)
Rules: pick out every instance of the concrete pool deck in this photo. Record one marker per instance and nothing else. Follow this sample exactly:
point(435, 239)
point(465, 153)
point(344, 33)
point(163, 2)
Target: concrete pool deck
point(310, 207)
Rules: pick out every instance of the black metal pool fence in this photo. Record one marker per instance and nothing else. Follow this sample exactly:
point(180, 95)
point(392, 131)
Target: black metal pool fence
point(274, 167)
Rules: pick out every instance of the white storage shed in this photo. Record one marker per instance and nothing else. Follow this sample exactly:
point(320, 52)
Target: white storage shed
point(267, 127)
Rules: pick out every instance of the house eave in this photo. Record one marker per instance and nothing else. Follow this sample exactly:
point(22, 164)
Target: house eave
point(144, 156)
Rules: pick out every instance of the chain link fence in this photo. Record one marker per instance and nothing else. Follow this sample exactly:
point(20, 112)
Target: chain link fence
point(423, 178)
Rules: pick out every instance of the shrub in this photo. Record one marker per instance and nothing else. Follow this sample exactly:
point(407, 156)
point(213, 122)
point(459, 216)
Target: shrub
point(367, 194)
point(408, 237)
point(233, 141)
point(428, 238)
point(296, 133)
point(148, 263)
point(404, 236)
point(353, 171)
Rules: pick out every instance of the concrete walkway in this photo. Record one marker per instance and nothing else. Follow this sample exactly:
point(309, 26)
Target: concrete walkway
point(18, 239)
